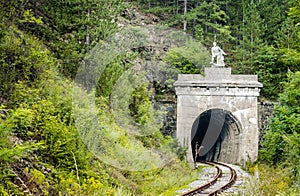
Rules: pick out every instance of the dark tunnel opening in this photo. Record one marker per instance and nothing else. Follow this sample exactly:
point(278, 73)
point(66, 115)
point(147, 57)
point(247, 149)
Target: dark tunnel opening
point(215, 136)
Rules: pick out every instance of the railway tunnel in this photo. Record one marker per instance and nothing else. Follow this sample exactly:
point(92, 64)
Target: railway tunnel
point(217, 115)
point(215, 136)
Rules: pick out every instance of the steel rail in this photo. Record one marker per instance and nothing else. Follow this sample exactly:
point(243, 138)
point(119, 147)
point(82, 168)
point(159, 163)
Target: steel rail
point(214, 180)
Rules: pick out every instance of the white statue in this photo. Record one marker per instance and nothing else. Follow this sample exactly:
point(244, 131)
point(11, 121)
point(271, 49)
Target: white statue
point(216, 51)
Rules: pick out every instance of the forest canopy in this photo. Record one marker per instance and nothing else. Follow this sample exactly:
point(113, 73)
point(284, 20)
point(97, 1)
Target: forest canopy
point(42, 45)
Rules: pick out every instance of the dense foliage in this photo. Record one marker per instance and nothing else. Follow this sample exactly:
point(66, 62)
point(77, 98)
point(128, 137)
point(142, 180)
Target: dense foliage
point(41, 151)
point(279, 171)
point(42, 44)
point(258, 36)
point(281, 143)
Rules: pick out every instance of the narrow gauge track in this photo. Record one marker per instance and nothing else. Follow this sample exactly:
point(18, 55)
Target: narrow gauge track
point(211, 188)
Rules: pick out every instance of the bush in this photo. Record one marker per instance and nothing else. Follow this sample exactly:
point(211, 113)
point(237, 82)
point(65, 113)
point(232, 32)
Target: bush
point(281, 143)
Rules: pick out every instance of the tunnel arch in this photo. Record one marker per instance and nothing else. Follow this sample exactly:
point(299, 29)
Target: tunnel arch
point(215, 136)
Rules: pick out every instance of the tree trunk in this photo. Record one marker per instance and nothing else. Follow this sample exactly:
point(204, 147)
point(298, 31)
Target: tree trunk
point(184, 12)
point(87, 38)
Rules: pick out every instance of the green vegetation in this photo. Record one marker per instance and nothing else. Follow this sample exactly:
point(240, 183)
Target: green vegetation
point(260, 37)
point(189, 59)
point(42, 44)
point(270, 180)
point(41, 150)
point(281, 144)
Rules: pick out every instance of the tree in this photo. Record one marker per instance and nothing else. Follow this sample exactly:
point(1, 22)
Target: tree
point(69, 28)
point(184, 13)
point(250, 38)
point(274, 15)
point(294, 13)
point(191, 58)
point(281, 142)
point(209, 20)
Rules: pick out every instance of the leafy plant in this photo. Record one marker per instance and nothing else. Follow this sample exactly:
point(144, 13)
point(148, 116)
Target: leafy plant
point(191, 58)
point(281, 142)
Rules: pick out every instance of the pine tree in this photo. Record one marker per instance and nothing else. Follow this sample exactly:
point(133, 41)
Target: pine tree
point(71, 27)
point(250, 38)
point(274, 14)
point(209, 20)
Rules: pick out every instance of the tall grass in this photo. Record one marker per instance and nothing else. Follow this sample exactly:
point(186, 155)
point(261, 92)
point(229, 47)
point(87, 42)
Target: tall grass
point(271, 181)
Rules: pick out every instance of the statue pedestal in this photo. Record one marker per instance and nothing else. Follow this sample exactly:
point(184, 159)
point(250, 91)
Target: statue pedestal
point(217, 73)
point(219, 90)
point(213, 65)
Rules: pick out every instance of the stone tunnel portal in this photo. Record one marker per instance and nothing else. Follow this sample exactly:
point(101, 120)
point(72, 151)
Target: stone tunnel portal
point(215, 136)
point(225, 108)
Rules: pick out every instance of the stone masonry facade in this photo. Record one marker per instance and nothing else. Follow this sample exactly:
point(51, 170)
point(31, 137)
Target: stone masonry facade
point(219, 89)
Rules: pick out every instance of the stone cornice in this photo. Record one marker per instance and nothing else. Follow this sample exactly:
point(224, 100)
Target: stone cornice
point(217, 82)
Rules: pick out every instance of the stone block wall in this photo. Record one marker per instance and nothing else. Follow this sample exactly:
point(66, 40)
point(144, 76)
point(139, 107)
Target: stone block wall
point(218, 89)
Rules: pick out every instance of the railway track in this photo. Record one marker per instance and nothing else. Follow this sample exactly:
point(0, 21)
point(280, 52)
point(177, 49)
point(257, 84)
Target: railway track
point(225, 177)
